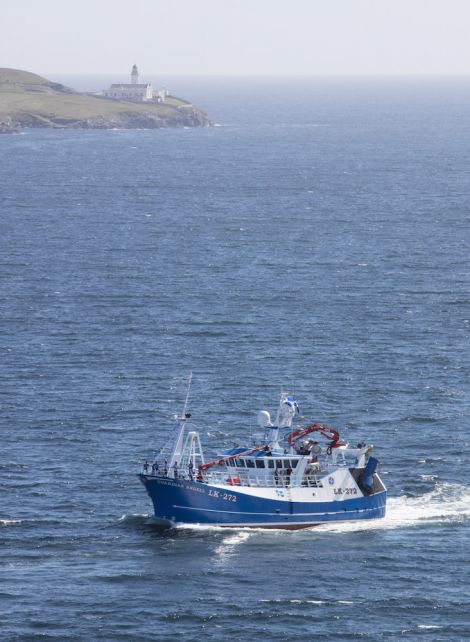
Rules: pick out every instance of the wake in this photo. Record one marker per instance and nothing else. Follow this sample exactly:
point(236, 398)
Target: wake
point(445, 503)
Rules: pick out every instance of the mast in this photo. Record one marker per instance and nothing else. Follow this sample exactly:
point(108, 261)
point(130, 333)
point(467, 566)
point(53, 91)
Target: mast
point(177, 450)
point(185, 407)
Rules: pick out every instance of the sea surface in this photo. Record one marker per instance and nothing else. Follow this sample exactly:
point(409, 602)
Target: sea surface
point(316, 240)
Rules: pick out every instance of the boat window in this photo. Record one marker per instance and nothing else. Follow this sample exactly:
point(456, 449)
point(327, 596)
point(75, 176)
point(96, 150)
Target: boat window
point(240, 463)
point(270, 463)
point(278, 463)
point(287, 463)
point(250, 463)
point(259, 463)
point(294, 463)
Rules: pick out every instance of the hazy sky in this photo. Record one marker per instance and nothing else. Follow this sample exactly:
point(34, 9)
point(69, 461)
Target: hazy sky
point(237, 36)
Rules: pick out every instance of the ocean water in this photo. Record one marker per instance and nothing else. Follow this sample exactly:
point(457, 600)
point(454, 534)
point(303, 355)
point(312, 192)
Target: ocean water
point(316, 239)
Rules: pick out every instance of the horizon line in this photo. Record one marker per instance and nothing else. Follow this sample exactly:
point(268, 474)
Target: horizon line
point(270, 75)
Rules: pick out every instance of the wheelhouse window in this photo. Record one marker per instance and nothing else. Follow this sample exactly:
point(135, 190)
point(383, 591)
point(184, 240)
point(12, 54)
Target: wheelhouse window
point(259, 463)
point(250, 463)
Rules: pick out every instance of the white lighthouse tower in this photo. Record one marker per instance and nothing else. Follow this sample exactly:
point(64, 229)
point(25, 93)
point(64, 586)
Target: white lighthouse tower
point(135, 75)
point(133, 91)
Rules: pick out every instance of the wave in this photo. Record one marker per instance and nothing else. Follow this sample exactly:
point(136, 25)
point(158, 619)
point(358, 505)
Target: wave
point(135, 518)
point(318, 601)
point(12, 522)
point(36, 523)
point(445, 503)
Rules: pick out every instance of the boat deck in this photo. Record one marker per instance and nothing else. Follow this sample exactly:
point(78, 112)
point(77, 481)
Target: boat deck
point(251, 480)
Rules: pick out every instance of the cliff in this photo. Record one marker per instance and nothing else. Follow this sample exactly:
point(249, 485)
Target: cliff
point(28, 100)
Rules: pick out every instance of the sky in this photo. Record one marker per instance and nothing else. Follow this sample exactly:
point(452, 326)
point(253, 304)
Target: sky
point(237, 37)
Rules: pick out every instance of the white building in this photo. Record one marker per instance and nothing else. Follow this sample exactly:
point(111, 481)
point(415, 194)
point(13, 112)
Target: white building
point(133, 91)
point(161, 95)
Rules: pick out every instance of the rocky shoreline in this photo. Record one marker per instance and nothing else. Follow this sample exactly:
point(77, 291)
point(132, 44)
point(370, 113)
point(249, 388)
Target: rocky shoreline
point(183, 117)
point(8, 126)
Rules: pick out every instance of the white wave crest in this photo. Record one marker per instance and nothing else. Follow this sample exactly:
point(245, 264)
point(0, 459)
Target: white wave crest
point(11, 522)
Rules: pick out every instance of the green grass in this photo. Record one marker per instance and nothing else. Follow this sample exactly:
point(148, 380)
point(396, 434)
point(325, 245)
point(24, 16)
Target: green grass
point(176, 102)
point(71, 106)
point(25, 97)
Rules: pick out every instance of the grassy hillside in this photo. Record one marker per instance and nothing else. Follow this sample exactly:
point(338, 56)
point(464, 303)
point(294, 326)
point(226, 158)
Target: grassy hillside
point(28, 100)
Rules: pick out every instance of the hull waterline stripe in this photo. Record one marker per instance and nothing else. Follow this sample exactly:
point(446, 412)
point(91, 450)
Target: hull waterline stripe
point(233, 512)
point(285, 526)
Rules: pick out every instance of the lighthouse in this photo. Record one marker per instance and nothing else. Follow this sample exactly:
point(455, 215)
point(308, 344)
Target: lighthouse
point(134, 75)
point(134, 91)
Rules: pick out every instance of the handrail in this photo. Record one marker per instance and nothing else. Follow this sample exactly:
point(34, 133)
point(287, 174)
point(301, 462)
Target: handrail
point(244, 476)
point(254, 481)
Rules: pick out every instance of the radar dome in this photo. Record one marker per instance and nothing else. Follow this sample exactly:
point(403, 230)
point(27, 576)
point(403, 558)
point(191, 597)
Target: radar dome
point(264, 419)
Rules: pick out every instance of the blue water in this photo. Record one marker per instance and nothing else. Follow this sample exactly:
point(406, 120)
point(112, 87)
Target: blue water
point(317, 239)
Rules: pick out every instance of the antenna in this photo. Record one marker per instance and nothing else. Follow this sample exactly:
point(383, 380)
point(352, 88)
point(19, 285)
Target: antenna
point(187, 394)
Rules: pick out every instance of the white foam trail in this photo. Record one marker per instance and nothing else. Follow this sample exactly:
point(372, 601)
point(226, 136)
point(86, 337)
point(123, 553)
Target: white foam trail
point(11, 522)
point(203, 527)
point(446, 502)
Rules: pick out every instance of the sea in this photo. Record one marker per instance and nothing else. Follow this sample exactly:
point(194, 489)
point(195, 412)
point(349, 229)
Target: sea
point(314, 240)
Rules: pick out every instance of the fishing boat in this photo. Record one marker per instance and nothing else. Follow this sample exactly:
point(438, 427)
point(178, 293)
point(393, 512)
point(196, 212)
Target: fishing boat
point(294, 477)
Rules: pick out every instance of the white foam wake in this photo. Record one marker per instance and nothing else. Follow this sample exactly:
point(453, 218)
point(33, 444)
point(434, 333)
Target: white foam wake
point(11, 522)
point(445, 503)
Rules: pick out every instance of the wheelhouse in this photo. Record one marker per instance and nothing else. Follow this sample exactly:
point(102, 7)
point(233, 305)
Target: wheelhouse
point(264, 462)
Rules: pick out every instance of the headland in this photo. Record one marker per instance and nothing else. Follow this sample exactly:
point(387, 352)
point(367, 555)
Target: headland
point(29, 100)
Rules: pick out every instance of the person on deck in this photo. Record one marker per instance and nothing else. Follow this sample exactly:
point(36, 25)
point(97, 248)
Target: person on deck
point(288, 474)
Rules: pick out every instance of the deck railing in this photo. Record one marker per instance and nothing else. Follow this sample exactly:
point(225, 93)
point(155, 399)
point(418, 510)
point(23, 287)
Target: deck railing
point(243, 479)
point(282, 481)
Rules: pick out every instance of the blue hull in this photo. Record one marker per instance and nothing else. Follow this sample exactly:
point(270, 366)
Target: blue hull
point(178, 501)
